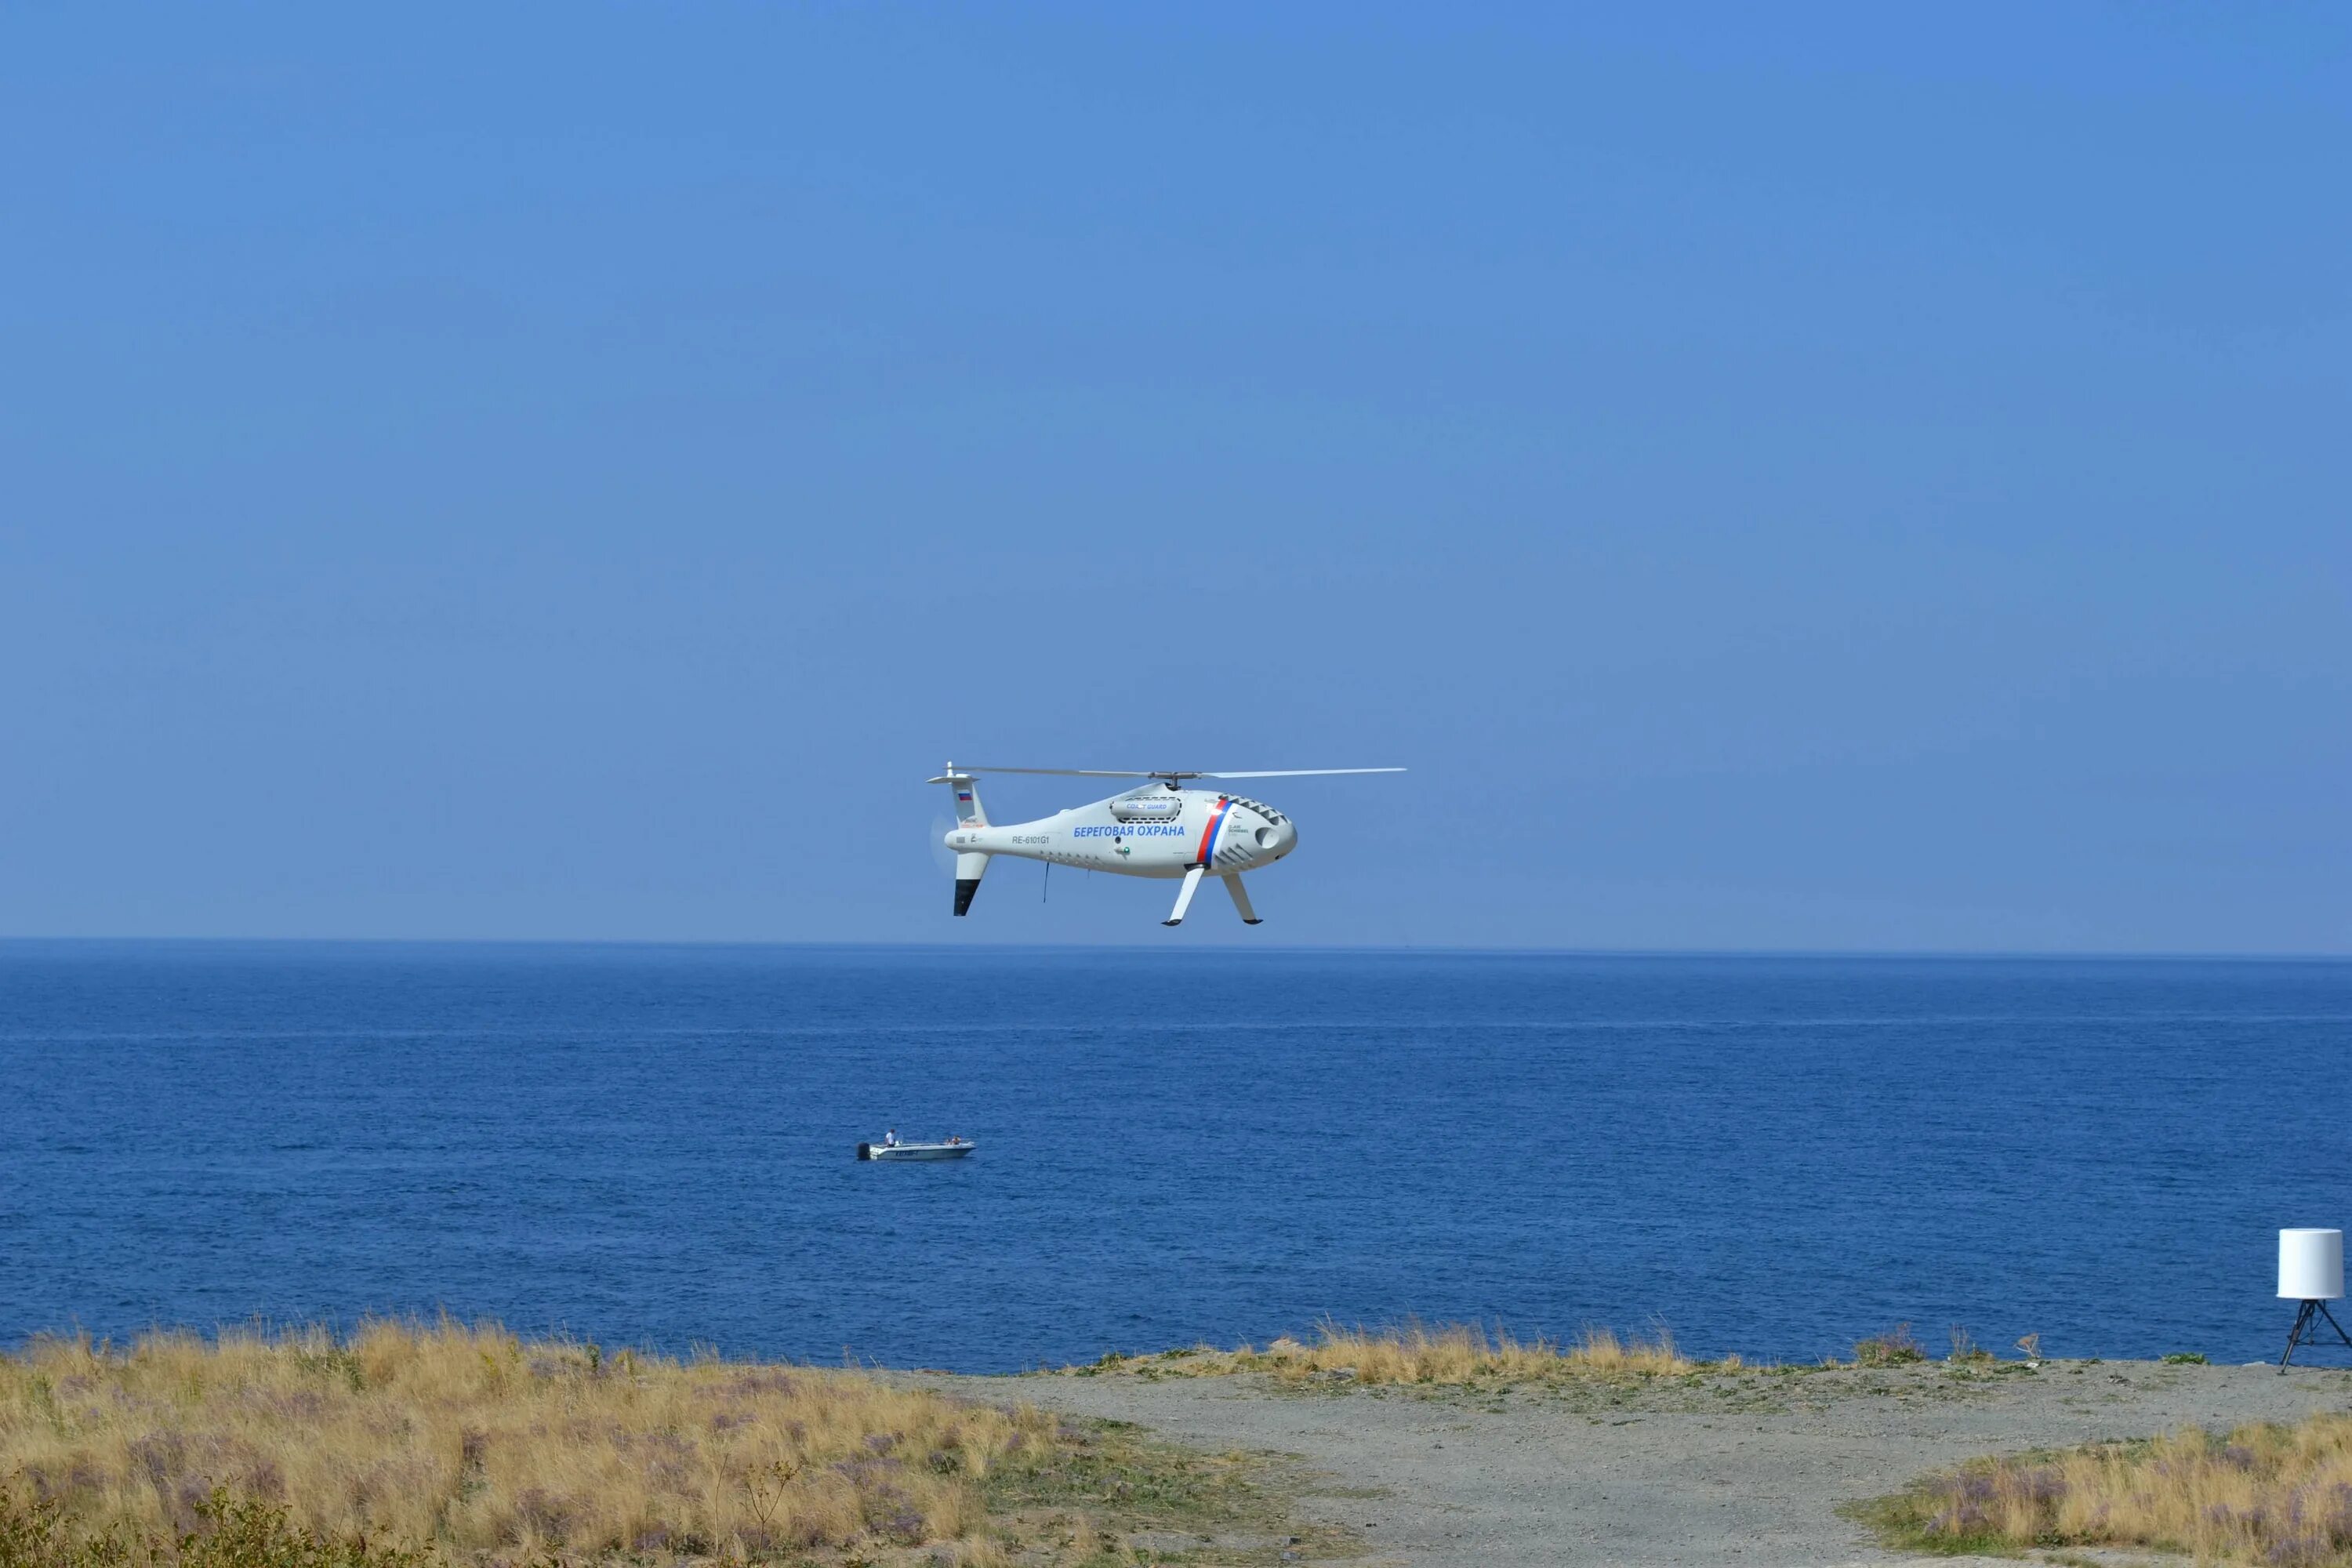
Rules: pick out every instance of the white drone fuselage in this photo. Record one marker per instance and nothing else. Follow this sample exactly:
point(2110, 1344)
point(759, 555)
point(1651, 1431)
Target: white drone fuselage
point(1157, 830)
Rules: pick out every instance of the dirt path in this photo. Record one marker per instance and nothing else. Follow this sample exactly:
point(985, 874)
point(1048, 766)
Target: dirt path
point(1730, 1469)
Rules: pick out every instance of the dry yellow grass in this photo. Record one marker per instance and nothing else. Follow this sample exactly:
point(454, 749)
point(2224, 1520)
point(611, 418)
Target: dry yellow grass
point(2266, 1493)
point(468, 1440)
point(1416, 1353)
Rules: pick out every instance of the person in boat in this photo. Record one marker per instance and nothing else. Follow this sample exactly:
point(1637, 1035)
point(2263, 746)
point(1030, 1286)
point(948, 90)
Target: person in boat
point(890, 1139)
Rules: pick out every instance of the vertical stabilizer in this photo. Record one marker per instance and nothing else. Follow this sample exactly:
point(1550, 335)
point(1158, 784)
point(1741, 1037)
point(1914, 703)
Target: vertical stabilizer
point(969, 814)
point(968, 811)
point(967, 872)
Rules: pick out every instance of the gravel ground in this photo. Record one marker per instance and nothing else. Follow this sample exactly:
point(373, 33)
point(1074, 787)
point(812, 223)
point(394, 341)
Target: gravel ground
point(1721, 1469)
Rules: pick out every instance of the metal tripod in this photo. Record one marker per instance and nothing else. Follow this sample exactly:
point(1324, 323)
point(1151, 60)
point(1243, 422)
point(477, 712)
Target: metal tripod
point(2307, 1330)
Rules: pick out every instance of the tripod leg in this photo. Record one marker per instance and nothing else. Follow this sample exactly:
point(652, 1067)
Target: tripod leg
point(2331, 1323)
point(2294, 1335)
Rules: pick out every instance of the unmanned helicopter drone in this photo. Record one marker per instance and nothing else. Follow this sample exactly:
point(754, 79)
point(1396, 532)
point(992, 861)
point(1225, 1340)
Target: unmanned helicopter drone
point(1157, 830)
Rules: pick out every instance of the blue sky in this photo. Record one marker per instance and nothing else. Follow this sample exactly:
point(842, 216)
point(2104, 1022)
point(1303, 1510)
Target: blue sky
point(1850, 477)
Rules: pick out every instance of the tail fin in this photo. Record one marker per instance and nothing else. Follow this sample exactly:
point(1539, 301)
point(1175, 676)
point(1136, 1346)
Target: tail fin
point(967, 873)
point(969, 812)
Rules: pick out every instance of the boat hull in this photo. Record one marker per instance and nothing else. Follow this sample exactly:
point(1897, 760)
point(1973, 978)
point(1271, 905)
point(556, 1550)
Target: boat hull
point(914, 1151)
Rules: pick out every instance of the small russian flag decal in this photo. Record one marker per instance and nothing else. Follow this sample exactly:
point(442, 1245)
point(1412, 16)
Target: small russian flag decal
point(963, 795)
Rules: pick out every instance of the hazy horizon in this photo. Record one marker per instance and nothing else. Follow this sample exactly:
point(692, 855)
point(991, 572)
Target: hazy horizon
point(1126, 948)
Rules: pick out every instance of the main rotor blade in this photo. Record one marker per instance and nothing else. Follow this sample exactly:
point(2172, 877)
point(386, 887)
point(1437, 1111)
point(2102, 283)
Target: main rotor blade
point(1166, 773)
point(1086, 772)
point(1296, 772)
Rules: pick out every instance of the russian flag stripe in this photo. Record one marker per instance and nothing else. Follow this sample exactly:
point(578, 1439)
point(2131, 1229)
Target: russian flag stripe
point(1217, 820)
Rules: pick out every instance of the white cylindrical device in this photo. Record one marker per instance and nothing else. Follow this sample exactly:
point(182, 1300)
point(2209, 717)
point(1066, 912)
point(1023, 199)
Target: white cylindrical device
point(2311, 1265)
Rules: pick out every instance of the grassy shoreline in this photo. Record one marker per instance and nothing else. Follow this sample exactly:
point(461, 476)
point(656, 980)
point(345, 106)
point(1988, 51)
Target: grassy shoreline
point(1415, 1354)
point(2269, 1492)
point(406, 1443)
point(1445, 1354)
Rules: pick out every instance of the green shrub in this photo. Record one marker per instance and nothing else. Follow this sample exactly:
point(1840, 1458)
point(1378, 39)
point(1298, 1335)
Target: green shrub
point(1893, 1348)
point(32, 1535)
point(229, 1533)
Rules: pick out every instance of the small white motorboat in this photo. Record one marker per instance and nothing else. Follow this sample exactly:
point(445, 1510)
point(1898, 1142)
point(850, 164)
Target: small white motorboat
point(952, 1149)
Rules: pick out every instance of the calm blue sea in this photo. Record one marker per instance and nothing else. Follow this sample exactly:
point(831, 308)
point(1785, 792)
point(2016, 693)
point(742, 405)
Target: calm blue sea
point(653, 1145)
